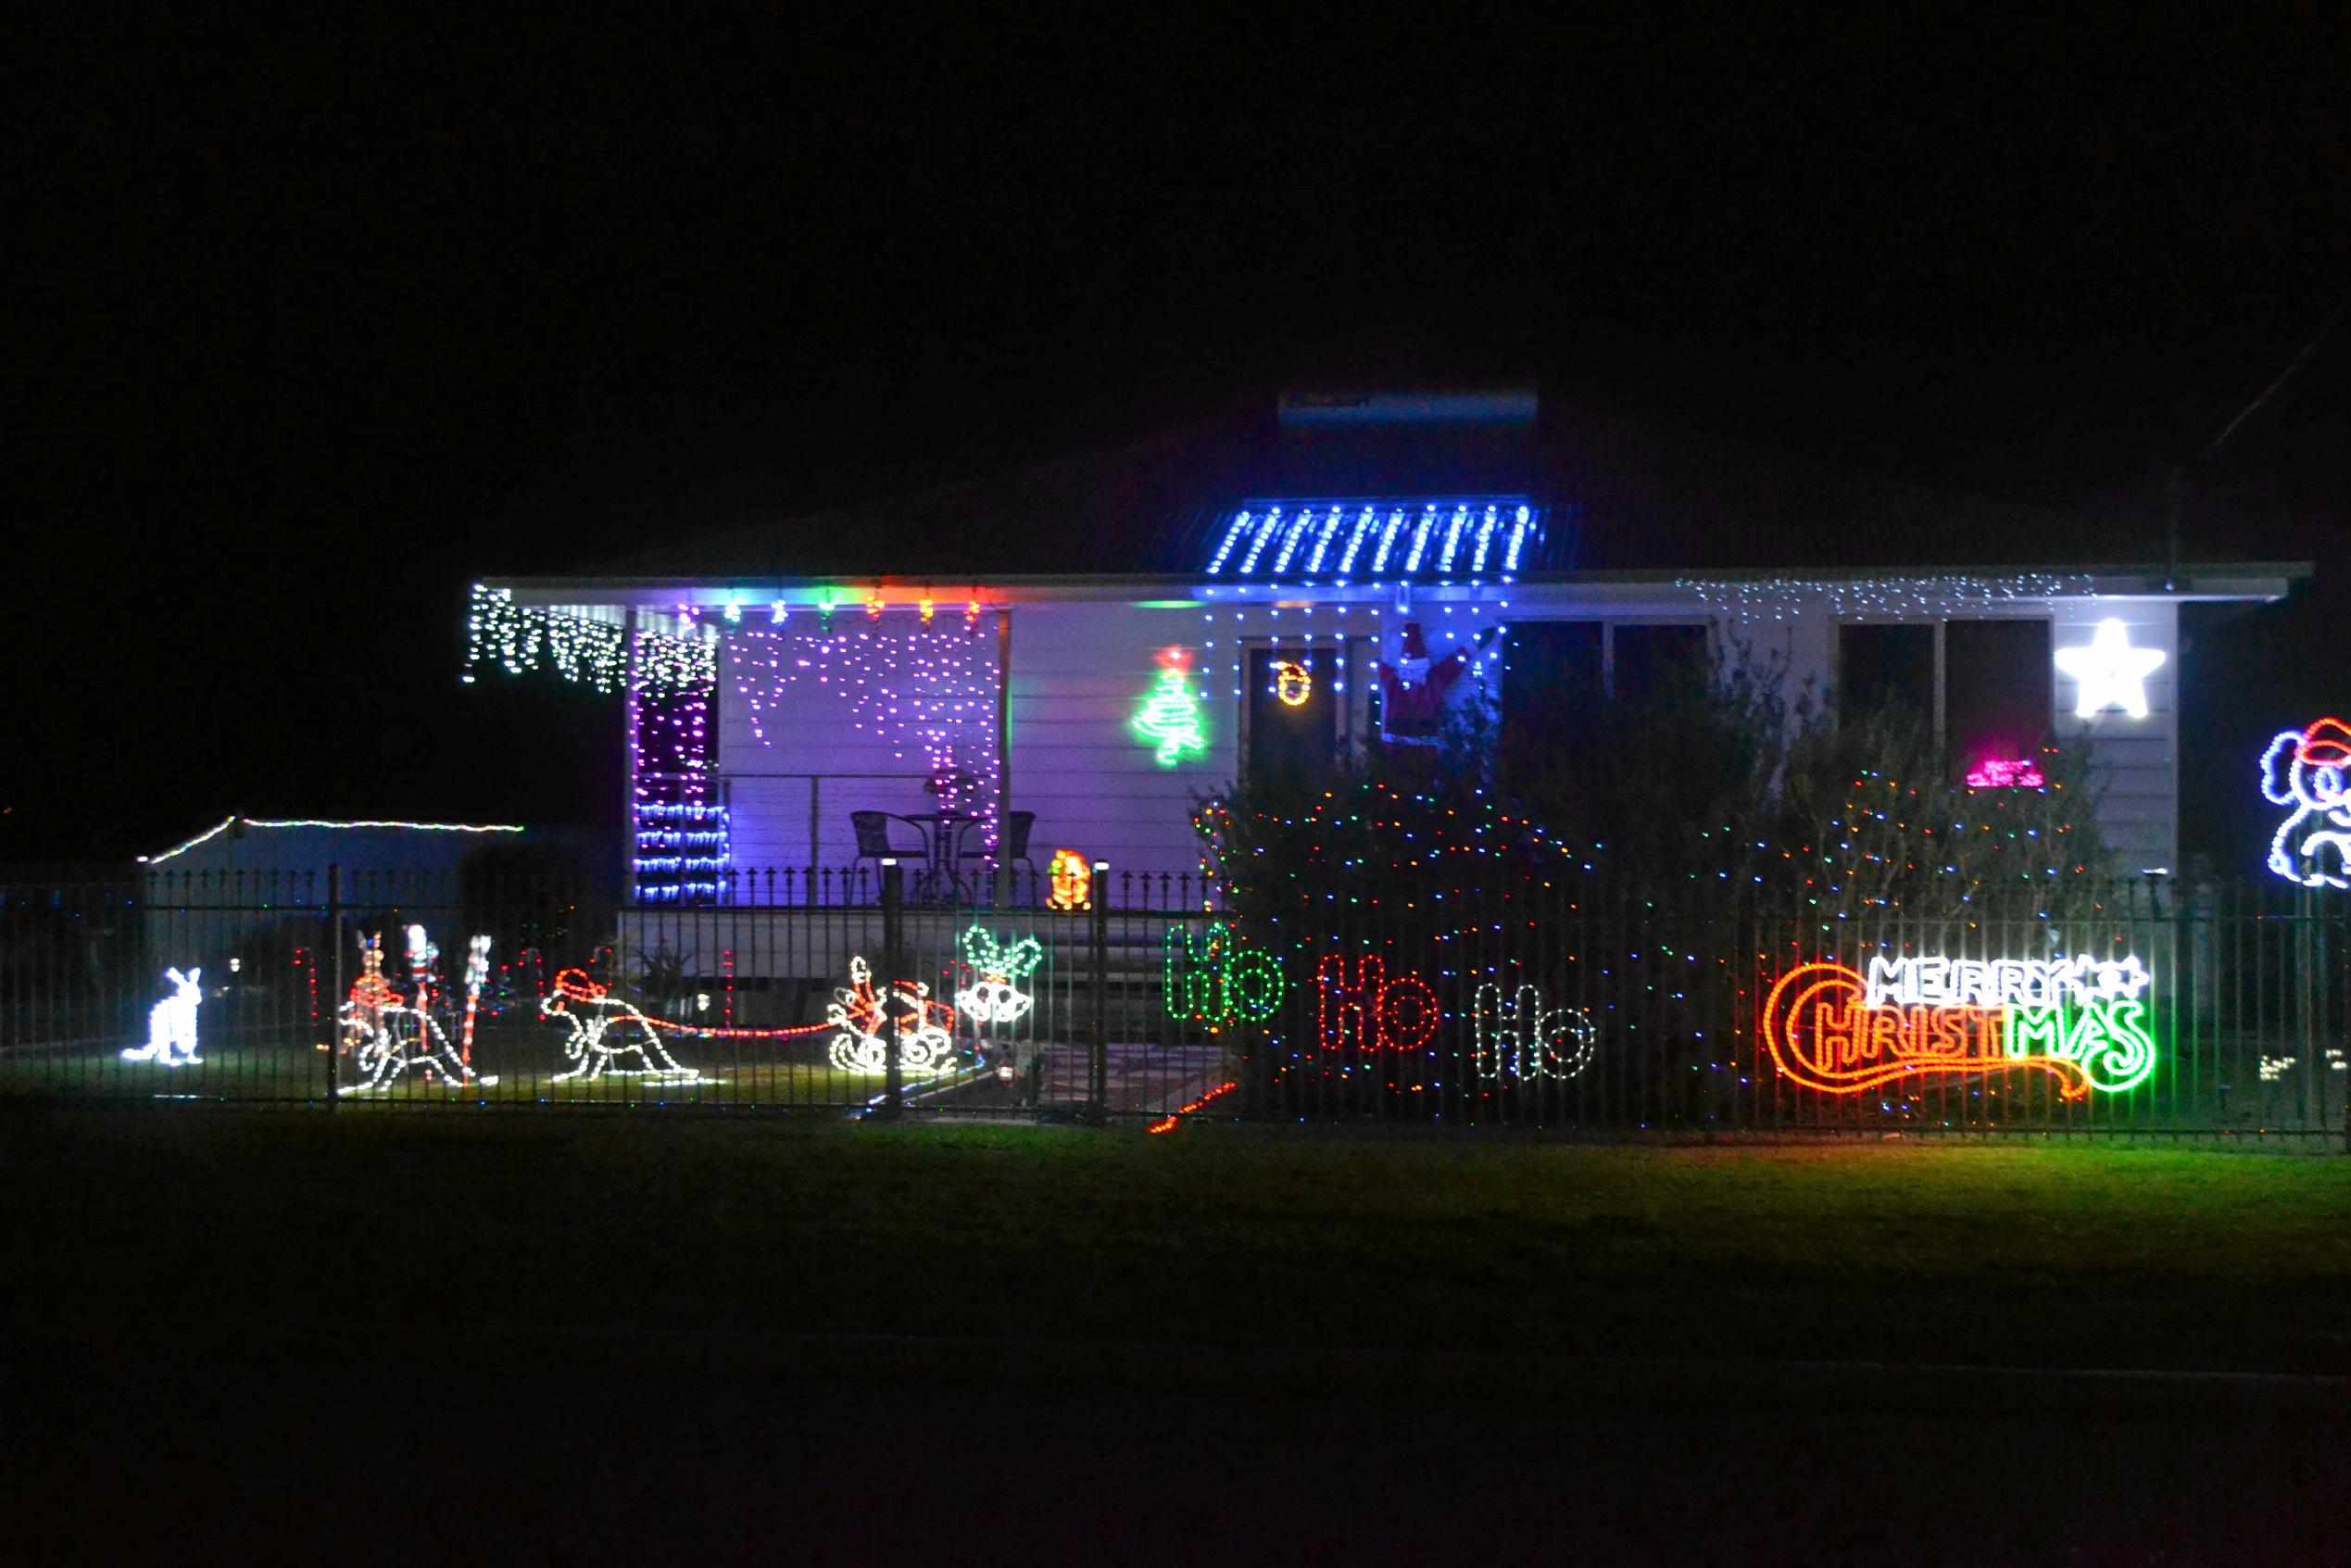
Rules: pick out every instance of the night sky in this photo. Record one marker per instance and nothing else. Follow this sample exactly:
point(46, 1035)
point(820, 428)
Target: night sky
point(320, 327)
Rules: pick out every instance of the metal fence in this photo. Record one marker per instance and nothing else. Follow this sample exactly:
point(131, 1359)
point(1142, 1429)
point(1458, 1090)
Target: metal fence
point(2156, 1010)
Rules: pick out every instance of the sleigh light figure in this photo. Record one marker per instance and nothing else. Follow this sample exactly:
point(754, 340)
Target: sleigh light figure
point(606, 1033)
point(388, 1034)
point(995, 996)
point(2310, 770)
point(925, 1040)
point(171, 1023)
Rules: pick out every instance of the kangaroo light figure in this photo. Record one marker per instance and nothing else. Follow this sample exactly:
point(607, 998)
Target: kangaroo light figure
point(602, 1035)
point(388, 1035)
point(2310, 770)
point(171, 1023)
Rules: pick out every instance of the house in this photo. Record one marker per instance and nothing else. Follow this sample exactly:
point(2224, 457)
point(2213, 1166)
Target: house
point(1099, 642)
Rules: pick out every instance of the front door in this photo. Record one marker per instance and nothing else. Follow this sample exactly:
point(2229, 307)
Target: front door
point(1293, 715)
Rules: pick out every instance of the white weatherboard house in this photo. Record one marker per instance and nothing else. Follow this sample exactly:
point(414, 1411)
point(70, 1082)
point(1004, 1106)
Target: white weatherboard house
point(1084, 648)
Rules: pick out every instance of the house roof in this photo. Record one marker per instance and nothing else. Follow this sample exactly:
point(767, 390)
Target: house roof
point(241, 825)
point(1607, 496)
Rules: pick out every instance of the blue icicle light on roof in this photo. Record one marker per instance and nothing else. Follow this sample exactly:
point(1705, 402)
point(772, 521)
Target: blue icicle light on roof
point(1472, 535)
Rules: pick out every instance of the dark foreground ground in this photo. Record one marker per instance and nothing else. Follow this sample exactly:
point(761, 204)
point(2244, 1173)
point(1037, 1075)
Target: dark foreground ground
point(669, 1338)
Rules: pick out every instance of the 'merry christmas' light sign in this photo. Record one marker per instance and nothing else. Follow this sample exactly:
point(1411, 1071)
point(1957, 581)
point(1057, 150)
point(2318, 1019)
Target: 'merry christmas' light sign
point(1828, 1027)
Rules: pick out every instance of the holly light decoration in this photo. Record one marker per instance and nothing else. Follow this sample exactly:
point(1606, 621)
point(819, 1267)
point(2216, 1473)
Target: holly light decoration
point(1170, 717)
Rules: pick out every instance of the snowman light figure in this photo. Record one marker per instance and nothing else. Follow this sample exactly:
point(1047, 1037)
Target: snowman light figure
point(996, 996)
point(172, 1023)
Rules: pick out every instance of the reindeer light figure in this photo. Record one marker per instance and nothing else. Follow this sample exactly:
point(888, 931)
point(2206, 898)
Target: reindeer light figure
point(996, 996)
point(171, 1023)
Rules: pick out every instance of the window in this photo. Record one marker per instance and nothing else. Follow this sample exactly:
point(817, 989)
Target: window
point(1646, 657)
point(1894, 666)
point(1293, 714)
point(1995, 690)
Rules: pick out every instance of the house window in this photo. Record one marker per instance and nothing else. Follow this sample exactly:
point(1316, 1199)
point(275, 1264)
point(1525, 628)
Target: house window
point(1294, 697)
point(1645, 659)
point(1995, 690)
point(1553, 673)
point(1888, 666)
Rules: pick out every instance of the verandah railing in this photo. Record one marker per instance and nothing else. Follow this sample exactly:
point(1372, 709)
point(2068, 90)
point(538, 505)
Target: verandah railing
point(2160, 1009)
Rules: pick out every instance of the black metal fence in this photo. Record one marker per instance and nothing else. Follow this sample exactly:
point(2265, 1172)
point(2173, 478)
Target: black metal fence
point(2156, 1010)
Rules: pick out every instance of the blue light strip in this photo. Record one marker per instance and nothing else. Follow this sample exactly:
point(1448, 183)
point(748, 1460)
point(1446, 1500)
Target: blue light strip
point(1349, 541)
point(1265, 531)
point(681, 849)
point(1225, 550)
point(1290, 539)
point(1518, 531)
point(1323, 537)
point(1452, 538)
point(1420, 538)
point(1363, 526)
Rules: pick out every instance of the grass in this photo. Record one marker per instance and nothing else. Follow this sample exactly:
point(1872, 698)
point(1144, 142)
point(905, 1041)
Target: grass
point(271, 1230)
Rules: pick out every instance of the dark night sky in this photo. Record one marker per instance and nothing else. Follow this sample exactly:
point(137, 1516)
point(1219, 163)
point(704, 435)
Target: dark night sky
point(321, 327)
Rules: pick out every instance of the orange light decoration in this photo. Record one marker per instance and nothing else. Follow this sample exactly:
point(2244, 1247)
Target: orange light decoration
point(874, 605)
point(971, 610)
point(1073, 881)
point(1293, 683)
point(1824, 1032)
point(1371, 1011)
point(928, 609)
point(1168, 1122)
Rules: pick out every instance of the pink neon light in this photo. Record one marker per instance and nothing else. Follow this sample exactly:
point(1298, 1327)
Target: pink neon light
point(1993, 773)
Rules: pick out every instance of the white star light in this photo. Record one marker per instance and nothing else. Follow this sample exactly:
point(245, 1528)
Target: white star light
point(2112, 673)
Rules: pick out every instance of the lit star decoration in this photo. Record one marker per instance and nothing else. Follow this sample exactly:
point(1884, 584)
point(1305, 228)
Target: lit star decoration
point(1171, 716)
point(2112, 673)
point(171, 1023)
point(995, 996)
point(2310, 770)
point(2080, 1019)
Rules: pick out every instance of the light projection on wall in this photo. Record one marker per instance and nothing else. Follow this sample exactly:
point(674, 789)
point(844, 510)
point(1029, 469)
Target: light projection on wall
point(2079, 1020)
point(925, 1039)
point(1293, 683)
point(2112, 673)
point(1073, 883)
point(2310, 772)
point(1518, 1038)
point(171, 1023)
point(1170, 717)
point(2002, 774)
point(995, 996)
point(1369, 1011)
point(1216, 979)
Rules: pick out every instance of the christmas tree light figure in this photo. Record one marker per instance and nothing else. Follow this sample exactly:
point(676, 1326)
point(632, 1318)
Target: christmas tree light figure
point(1171, 715)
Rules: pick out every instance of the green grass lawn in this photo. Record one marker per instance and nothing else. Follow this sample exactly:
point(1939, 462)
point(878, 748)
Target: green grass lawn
point(267, 1230)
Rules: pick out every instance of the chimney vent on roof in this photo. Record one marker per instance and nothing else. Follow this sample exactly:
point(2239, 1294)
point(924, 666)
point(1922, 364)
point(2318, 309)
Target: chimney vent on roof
point(1324, 411)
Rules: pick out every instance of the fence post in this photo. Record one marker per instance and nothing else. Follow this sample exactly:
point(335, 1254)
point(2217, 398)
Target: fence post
point(893, 965)
point(335, 984)
point(1098, 944)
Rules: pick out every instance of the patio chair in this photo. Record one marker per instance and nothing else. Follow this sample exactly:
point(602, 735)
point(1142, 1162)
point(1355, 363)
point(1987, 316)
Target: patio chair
point(876, 843)
point(1013, 850)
